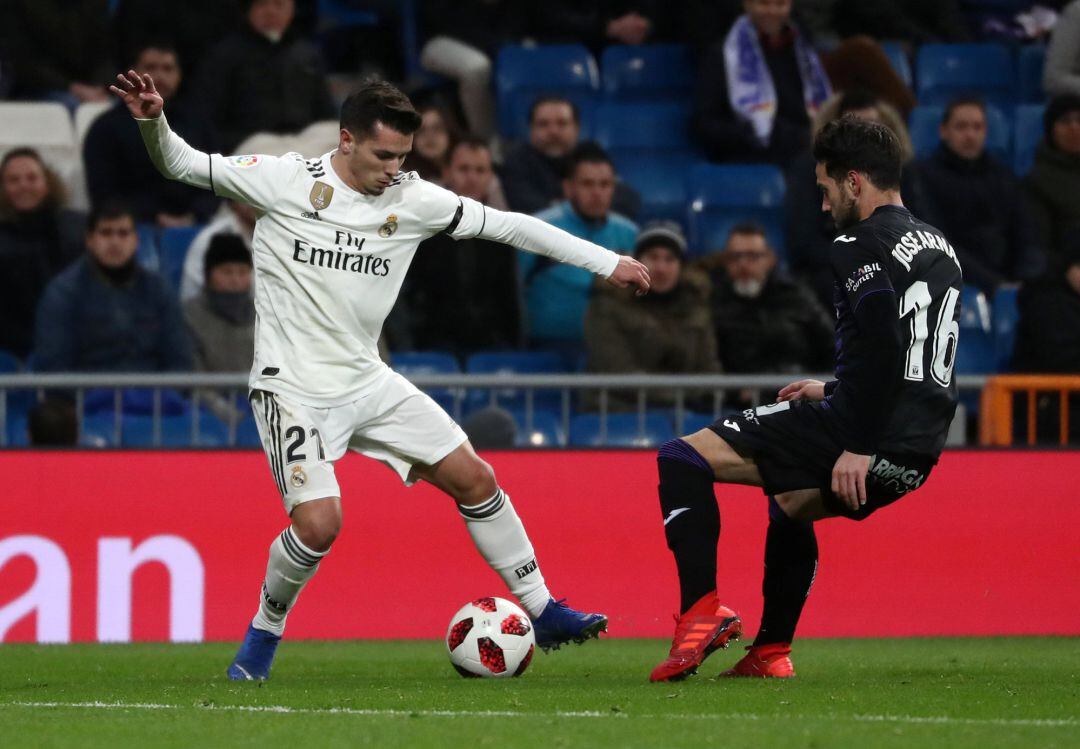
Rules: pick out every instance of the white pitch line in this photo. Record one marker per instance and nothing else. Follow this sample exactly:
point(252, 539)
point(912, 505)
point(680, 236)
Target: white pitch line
point(393, 713)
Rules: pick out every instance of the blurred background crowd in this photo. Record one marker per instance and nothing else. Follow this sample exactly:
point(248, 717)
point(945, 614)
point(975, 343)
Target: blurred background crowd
point(676, 131)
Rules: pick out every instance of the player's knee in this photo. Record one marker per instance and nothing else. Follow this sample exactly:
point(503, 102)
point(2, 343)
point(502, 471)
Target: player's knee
point(318, 530)
point(475, 483)
point(793, 506)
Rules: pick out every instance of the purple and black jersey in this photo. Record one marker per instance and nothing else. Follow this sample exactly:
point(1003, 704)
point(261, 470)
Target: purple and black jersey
point(897, 297)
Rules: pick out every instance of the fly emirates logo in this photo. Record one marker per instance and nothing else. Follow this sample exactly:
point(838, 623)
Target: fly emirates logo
point(345, 257)
point(914, 242)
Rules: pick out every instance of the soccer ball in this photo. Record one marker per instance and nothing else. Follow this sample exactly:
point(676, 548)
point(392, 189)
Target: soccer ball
point(490, 637)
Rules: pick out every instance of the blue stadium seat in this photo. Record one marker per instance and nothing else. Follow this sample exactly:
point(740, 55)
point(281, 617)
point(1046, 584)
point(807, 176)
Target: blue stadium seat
point(9, 363)
point(624, 127)
point(647, 72)
point(524, 73)
point(176, 431)
point(623, 430)
point(943, 71)
point(722, 195)
point(545, 431)
point(247, 433)
point(899, 60)
point(139, 401)
point(356, 13)
point(659, 179)
point(1006, 316)
point(411, 363)
point(1030, 61)
point(98, 430)
point(507, 362)
point(172, 249)
point(147, 252)
point(925, 121)
point(975, 354)
point(17, 434)
point(1029, 133)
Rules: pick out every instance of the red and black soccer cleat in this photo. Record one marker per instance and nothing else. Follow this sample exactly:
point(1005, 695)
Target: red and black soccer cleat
point(704, 628)
point(771, 661)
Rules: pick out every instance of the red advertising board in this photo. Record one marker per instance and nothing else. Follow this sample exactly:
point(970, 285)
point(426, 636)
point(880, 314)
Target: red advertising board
point(172, 545)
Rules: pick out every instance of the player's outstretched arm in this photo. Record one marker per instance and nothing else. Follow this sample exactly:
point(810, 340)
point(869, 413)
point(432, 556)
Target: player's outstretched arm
point(533, 235)
point(174, 158)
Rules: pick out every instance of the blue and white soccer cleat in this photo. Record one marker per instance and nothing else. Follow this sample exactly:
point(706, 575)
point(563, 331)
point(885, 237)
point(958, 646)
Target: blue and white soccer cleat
point(559, 624)
point(256, 655)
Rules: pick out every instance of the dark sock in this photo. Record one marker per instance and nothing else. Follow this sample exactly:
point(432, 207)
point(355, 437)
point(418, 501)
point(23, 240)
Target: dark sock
point(691, 518)
point(791, 556)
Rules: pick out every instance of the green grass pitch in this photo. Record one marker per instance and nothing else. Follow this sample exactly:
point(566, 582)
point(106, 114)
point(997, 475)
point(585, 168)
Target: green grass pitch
point(981, 693)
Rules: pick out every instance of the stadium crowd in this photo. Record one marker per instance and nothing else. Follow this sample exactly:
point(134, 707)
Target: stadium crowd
point(113, 268)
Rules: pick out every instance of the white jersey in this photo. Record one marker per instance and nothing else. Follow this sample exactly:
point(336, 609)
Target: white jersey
point(329, 263)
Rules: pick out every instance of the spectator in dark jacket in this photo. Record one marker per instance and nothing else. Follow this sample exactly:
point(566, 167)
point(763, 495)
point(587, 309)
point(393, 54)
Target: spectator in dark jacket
point(264, 78)
point(463, 295)
point(38, 239)
point(914, 21)
point(758, 88)
point(978, 203)
point(115, 155)
point(221, 319)
point(533, 172)
point(764, 321)
point(1054, 182)
point(107, 313)
point(193, 32)
point(667, 331)
point(1048, 336)
point(59, 49)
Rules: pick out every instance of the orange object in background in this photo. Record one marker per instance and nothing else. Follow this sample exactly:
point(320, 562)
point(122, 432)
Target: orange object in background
point(996, 407)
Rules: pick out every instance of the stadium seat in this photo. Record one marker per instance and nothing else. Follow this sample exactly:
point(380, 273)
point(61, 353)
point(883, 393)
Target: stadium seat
point(654, 127)
point(1030, 62)
point(17, 432)
point(247, 433)
point(975, 354)
point(647, 72)
point(524, 73)
point(925, 121)
point(1029, 133)
point(899, 60)
point(172, 250)
point(139, 401)
point(1006, 316)
point(9, 363)
point(85, 116)
point(147, 252)
point(98, 430)
point(46, 127)
point(176, 431)
point(944, 71)
point(410, 363)
point(318, 138)
point(545, 430)
point(722, 195)
point(660, 180)
point(509, 362)
point(623, 430)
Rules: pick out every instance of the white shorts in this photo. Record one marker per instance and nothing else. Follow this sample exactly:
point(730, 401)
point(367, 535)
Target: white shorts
point(396, 424)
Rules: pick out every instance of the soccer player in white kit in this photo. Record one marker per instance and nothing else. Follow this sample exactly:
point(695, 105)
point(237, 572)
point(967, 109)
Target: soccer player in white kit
point(333, 241)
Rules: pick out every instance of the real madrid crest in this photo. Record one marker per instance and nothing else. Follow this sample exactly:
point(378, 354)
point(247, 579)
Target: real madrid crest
point(388, 229)
point(298, 478)
point(320, 196)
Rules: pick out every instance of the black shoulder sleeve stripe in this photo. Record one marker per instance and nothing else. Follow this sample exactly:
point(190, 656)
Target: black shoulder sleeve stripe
point(210, 156)
point(484, 222)
point(456, 220)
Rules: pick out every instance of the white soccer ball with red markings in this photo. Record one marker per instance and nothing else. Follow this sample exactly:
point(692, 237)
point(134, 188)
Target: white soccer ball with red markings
point(490, 637)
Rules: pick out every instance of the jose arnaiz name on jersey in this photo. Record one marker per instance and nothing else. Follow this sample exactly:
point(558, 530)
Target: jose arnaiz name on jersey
point(341, 259)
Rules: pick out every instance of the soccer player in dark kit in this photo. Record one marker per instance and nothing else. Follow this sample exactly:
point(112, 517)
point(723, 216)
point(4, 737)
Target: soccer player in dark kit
point(842, 448)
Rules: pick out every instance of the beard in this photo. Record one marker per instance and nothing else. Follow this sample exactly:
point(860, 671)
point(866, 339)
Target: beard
point(846, 215)
point(748, 288)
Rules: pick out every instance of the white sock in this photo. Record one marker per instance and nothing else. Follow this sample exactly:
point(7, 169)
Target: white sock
point(500, 538)
point(290, 566)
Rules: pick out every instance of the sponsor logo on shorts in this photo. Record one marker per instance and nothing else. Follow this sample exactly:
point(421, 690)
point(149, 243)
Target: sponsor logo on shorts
point(298, 478)
point(900, 477)
point(750, 415)
point(525, 569)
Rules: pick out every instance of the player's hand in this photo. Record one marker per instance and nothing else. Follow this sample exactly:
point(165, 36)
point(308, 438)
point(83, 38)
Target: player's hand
point(630, 272)
point(811, 390)
point(849, 479)
point(139, 95)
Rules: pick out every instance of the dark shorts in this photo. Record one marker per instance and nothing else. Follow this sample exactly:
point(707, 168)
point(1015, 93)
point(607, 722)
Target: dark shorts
point(793, 446)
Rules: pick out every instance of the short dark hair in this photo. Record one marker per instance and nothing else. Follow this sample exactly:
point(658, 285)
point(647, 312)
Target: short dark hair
point(108, 210)
point(586, 152)
point(379, 101)
point(161, 45)
point(853, 145)
point(551, 99)
point(962, 101)
point(751, 228)
point(858, 98)
point(470, 141)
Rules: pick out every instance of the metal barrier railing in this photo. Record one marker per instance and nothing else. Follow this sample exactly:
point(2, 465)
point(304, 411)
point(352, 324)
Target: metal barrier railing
point(458, 393)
